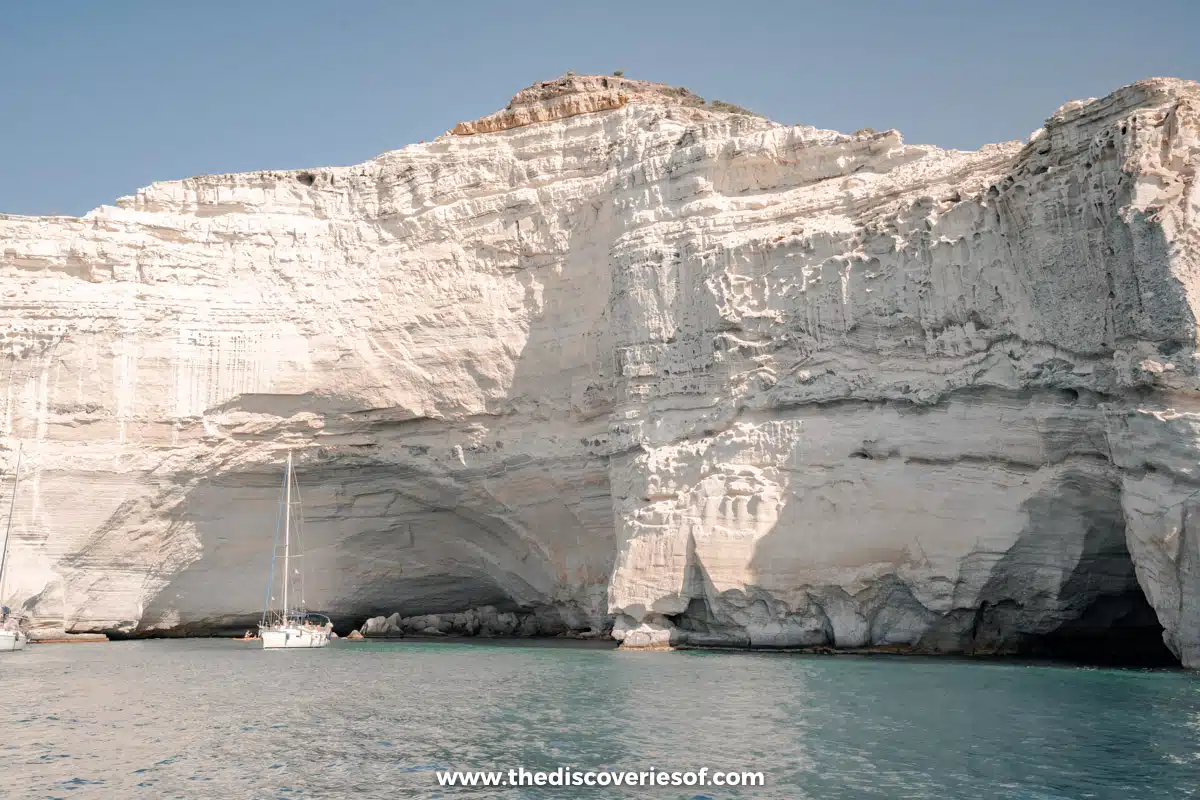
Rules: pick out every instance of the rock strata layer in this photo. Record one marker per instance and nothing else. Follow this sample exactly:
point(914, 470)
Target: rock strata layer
point(614, 358)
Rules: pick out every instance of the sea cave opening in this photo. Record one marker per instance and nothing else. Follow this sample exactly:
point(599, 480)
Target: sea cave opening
point(1104, 616)
point(1115, 631)
point(1098, 615)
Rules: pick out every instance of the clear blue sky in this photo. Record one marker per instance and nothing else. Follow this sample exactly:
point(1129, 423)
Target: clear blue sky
point(100, 98)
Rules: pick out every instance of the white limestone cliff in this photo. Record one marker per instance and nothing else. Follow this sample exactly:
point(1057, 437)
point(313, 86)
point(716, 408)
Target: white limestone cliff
point(617, 358)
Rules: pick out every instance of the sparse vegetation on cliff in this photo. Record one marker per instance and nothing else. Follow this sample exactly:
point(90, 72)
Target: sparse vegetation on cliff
point(730, 108)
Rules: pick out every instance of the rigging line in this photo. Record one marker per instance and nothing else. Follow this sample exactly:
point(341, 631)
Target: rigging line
point(300, 538)
point(274, 551)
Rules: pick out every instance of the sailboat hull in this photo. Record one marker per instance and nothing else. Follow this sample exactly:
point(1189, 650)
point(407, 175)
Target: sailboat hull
point(293, 637)
point(11, 641)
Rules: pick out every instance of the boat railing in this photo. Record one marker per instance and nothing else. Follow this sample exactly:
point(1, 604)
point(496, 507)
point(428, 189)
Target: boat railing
point(298, 618)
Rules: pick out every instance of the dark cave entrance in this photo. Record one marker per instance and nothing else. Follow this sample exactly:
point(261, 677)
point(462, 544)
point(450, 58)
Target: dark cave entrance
point(1097, 614)
point(1115, 631)
point(1106, 619)
point(1113, 627)
point(1115, 624)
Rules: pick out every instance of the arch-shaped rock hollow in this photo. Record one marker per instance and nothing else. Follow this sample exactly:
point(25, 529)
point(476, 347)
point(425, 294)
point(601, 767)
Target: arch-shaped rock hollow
point(377, 538)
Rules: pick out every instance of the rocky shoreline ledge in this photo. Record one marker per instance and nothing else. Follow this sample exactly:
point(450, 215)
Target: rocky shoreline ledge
point(483, 622)
point(47, 636)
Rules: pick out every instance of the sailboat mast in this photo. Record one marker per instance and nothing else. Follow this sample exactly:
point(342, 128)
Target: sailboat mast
point(12, 507)
point(287, 535)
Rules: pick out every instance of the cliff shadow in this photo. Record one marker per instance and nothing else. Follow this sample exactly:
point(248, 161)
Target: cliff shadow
point(1099, 613)
point(563, 386)
point(375, 538)
point(1062, 588)
point(416, 516)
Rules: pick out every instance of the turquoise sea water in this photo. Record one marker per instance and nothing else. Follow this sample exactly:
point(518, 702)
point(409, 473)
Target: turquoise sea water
point(217, 719)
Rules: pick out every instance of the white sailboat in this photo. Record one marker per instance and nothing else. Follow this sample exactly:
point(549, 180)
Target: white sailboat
point(11, 636)
point(290, 627)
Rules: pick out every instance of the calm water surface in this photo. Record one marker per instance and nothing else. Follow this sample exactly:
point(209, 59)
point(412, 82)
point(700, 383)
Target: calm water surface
point(218, 719)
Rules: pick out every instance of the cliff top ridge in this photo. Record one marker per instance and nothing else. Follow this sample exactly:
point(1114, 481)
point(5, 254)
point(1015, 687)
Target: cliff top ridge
point(570, 95)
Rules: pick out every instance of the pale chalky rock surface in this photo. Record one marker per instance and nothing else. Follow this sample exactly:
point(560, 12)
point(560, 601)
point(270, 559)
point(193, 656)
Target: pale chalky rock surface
point(615, 358)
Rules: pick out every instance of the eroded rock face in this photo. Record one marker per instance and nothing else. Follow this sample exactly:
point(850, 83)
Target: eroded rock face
point(573, 95)
point(616, 358)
